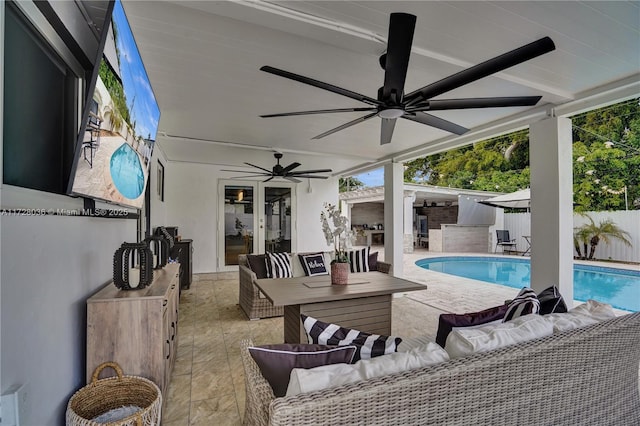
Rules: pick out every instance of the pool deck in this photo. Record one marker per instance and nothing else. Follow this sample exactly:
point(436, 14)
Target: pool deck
point(453, 294)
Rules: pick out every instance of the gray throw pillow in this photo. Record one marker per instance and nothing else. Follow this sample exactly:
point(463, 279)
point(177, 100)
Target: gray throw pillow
point(257, 265)
point(446, 322)
point(277, 361)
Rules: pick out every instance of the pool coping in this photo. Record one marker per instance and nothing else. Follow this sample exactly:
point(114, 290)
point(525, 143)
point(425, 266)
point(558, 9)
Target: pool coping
point(467, 295)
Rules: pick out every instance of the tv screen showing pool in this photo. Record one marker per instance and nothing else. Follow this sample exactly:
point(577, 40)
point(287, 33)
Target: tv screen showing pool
point(114, 154)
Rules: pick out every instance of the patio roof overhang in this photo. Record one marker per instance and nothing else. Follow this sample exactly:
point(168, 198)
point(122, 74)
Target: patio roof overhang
point(203, 60)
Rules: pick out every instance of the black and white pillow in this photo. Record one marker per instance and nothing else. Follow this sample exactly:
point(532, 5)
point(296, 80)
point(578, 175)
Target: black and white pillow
point(359, 260)
point(551, 301)
point(368, 345)
point(313, 264)
point(278, 265)
point(525, 303)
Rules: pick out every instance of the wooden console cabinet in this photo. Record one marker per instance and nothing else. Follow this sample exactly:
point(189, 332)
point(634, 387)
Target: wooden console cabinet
point(138, 329)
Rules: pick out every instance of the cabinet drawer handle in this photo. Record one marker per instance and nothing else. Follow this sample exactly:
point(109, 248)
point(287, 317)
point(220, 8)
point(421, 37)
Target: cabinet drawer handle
point(173, 326)
point(164, 302)
point(169, 351)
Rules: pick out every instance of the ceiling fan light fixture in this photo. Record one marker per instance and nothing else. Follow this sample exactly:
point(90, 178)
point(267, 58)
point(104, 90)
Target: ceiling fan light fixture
point(391, 113)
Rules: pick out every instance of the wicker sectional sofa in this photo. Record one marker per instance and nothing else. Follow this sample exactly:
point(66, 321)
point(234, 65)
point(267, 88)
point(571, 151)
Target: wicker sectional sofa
point(586, 376)
point(256, 307)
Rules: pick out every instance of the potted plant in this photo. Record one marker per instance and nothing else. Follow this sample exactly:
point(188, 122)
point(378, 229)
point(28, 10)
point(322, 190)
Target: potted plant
point(341, 238)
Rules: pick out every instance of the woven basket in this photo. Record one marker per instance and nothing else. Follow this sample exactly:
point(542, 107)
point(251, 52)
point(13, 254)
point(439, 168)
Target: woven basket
point(101, 396)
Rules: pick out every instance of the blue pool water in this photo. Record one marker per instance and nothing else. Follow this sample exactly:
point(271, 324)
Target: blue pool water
point(618, 287)
point(126, 172)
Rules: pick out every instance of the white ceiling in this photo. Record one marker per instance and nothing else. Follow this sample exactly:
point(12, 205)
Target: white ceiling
point(203, 60)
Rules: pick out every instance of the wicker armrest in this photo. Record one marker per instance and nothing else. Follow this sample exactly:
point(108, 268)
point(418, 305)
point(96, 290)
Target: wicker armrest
point(247, 281)
point(383, 267)
point(258, 391)
point(249, 295)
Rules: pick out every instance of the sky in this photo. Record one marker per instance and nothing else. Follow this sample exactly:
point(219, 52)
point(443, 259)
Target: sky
point(140, 98)
point(372, 178)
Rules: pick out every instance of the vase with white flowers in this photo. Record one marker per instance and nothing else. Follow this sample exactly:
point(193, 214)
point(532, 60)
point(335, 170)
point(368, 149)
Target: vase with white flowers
point(341, 237)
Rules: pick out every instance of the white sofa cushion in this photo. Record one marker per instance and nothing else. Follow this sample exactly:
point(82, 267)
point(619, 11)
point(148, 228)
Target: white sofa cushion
point(409, 343)
point(582, 315)
point(466, 341)
point(328, 376)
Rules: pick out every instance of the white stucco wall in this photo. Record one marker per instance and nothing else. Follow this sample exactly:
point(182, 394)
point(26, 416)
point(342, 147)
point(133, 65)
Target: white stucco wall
point(50, 266)
point(192, 191)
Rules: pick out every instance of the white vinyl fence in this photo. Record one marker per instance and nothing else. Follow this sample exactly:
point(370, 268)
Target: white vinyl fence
point(519, 224)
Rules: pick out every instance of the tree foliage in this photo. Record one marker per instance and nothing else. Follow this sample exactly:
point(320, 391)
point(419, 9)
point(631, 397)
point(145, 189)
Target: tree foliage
point(116, 91)
point(606, 154)
point(500, 164)
point(349, 184)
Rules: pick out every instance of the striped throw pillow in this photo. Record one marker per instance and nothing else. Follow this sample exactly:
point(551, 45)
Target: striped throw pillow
point(279, 265)
point(525, 303)
point(368, 345)
point(359, 260)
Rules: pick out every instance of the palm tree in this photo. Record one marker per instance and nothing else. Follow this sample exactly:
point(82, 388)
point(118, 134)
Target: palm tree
point(606, 230)
point(581, 235)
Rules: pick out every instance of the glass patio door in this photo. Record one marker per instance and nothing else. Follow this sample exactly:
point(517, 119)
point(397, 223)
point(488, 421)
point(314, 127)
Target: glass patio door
point(276, 218)
point(237, 222)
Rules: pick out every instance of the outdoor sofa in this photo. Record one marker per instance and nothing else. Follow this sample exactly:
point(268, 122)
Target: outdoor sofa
point(586, 376)
point(255, 305)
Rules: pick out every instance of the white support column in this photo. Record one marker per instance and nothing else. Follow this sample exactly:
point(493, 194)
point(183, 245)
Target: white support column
point(550, 152)
point(394, 216)
point(409, 198)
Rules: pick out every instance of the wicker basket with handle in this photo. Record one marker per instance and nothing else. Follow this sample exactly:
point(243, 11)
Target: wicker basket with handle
point(105, 395)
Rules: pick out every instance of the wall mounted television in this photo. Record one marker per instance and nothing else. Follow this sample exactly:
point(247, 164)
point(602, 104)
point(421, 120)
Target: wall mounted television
point(119, 122)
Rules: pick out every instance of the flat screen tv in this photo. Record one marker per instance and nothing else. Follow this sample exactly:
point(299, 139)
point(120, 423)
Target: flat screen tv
point(120, 121)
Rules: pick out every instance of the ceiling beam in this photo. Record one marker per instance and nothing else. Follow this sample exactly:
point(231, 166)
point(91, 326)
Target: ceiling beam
point(365, 34)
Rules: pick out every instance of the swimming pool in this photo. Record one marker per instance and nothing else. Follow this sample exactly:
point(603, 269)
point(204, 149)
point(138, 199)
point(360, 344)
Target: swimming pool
point(126, 172)
point(618, 287)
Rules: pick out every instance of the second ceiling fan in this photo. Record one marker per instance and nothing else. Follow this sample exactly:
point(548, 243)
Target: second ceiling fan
point(392, 103)
point(279, 171)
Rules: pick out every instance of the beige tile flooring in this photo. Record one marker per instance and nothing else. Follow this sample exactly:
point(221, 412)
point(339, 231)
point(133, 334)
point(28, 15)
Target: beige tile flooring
point(207, 384)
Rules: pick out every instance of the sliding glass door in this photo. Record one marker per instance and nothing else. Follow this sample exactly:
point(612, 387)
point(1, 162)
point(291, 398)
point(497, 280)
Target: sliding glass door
point(277, 218)
point(237, 222)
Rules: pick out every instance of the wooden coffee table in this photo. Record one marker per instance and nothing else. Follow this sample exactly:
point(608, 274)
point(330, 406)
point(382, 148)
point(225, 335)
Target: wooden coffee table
point(363, 304)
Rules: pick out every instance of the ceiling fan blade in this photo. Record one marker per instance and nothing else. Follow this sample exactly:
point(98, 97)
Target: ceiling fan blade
point(386, 130)
point(344, 126)
point(290, 167)
point(401, 28)
point(313, 176)
point(306, 172)
point(258, 167)
point(444, 104)
point(248, 176)
point(267, 180)
point(289, 178)
point(320, 111)
point(492, 66)
point(242, 171)
point(320, 85)
point(437, 122)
